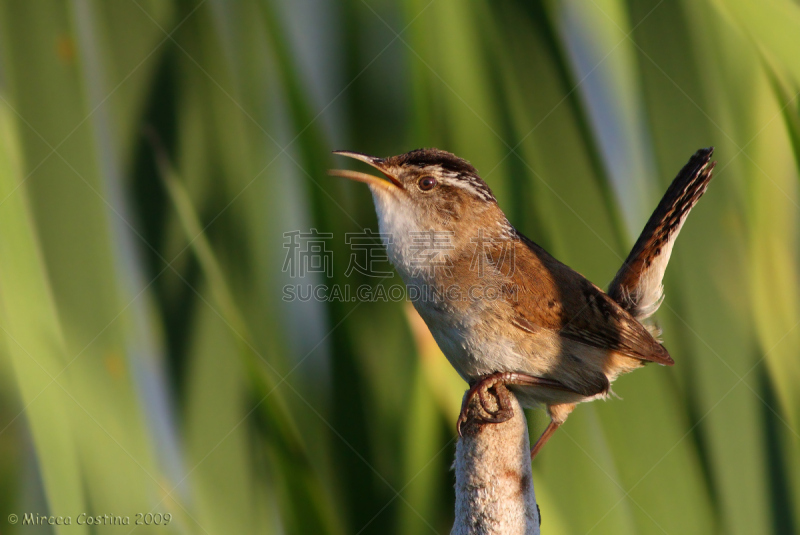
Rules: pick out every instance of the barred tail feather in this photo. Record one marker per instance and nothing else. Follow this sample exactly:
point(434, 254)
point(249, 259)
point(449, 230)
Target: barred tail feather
point(637, 286)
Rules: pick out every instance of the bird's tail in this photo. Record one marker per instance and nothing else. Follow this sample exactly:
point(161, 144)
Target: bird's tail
point(637, 286)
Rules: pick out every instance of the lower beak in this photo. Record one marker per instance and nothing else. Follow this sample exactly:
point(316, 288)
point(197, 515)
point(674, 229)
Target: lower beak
point(358, 176)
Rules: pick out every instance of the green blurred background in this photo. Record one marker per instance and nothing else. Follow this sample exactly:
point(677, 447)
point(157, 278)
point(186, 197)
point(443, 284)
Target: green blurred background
point(154, 155)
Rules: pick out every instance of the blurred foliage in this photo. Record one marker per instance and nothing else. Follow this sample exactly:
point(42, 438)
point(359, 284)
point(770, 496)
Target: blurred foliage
point(154, 156)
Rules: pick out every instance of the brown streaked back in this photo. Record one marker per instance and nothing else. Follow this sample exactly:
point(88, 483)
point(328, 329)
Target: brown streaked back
point(554, 296)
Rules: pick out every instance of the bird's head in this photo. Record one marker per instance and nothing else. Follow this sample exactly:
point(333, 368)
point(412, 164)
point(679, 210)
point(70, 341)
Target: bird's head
point(426, 189)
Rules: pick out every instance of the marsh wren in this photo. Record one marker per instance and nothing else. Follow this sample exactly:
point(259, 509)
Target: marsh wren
point(503, 310)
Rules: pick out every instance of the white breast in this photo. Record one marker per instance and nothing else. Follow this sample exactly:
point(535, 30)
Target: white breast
point(473, 345)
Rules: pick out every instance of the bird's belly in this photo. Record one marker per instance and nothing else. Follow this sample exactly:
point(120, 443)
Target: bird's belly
point(477, 346)
point(473, 358)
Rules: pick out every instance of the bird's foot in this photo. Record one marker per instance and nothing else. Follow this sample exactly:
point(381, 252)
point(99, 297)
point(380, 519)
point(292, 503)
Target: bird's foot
point(497, 383)
point(497, 412)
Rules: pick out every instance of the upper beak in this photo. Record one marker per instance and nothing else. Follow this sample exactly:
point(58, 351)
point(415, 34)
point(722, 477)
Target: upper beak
point(371, 180)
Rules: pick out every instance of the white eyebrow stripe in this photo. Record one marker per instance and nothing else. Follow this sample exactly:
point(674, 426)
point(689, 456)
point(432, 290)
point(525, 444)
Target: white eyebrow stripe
point(467, 183)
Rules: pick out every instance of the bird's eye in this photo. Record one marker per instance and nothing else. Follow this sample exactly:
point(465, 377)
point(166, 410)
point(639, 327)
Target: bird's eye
point(427, 183)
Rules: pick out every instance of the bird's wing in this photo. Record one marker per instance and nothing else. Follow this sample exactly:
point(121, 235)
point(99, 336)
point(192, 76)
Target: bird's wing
point(553, 296)
point(637, 286)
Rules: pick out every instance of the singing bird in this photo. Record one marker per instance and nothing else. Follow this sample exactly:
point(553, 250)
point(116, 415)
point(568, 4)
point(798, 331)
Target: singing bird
point(548, 333)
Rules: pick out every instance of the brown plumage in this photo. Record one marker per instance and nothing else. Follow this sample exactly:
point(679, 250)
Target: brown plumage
point(553, 296)
point(550, 334)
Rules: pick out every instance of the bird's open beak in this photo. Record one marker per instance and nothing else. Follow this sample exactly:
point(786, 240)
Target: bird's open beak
point(371, 180)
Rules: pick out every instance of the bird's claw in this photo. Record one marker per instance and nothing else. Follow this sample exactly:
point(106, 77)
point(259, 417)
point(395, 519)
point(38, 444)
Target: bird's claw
point(502, 413)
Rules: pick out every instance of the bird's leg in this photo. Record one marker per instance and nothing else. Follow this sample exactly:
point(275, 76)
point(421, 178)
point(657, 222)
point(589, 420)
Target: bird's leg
point(551, 428)
point(558, 415)
point(503, 411)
